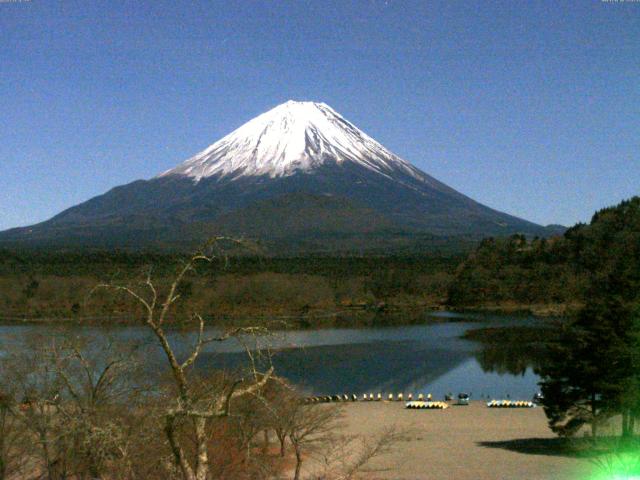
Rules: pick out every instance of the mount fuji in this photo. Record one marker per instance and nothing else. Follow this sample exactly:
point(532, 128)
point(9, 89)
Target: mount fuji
point(299, 177)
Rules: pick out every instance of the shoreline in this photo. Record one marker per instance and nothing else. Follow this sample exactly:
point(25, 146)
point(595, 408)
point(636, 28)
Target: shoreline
point(348, 317)
point(450, 443)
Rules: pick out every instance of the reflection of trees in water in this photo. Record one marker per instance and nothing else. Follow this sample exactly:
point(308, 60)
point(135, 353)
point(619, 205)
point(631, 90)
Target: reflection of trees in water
point(508, 351)
point(389, 366)
point(511, 357)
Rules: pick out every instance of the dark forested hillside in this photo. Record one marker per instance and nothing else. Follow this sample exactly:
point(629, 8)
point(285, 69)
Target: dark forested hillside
point(40, 284)
point(516, 273)
point(559, 270)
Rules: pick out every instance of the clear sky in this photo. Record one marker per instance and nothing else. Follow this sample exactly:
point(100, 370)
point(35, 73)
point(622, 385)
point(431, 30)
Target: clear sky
point(531, 107)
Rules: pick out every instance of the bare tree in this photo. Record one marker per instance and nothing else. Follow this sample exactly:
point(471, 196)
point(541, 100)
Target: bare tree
point(345, 457)
point(30, 373)
point(283, 406)
point(74, 396)
point(188, 409)
point(310, 427)
point(12, 437)
point(100, 388)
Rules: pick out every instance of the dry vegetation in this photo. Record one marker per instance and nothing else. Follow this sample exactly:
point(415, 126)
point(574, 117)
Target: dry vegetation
point(225, 296)
point(74, 409)
point(80, 408)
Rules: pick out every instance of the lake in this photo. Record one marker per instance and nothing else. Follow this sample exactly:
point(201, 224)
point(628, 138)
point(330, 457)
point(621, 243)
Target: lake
point(427, 358)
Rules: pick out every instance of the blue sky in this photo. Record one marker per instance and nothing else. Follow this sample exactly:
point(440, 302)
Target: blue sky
point(531, 107)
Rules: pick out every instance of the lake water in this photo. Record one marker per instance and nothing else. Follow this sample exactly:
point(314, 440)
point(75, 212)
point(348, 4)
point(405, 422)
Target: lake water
point(429, 358)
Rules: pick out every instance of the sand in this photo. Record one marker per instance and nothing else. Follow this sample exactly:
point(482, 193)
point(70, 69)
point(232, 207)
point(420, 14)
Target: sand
point(465, 442)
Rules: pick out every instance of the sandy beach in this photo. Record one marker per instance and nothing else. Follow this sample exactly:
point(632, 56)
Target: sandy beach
point(465, 442)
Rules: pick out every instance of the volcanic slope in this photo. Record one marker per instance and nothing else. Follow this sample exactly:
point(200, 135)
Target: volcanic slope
point(299, 177)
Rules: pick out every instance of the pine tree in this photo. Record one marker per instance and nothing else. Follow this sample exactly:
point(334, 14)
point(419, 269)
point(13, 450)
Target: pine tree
point(593, 372)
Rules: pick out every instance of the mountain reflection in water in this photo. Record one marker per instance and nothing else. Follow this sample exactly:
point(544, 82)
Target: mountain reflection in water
point(357, 368)
point(428, 358)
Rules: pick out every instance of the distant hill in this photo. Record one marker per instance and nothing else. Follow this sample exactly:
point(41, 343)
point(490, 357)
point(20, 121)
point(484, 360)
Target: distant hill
point(560, 270)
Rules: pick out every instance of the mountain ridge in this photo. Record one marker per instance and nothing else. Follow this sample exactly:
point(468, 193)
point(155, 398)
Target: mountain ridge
point(247, 183)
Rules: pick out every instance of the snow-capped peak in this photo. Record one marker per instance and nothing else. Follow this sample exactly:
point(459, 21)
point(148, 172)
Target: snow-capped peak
point(292, 137)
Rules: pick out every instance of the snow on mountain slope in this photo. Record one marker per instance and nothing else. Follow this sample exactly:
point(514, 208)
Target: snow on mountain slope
point(292, 137)
point(299, 176)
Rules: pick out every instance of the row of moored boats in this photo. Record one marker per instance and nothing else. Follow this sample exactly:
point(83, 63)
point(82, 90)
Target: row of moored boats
point(420, 402)
point(368, 397)
point(510, 404)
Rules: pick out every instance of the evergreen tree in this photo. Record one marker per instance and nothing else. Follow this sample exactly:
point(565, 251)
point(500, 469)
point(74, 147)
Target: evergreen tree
point(593, 372)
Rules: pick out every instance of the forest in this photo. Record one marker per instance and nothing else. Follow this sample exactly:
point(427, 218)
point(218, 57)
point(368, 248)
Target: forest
point(42, 285)
point(589, 362)
point(558, 270)
point(540, 275)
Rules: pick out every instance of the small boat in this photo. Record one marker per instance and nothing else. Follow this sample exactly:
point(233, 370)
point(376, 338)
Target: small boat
point(510, 404)
point(417, 404)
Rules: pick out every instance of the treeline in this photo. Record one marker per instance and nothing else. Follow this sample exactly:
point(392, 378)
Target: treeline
point(559, 270)
point(37, 284)
point(592, 374)
point(515, 273)
point(60, 263)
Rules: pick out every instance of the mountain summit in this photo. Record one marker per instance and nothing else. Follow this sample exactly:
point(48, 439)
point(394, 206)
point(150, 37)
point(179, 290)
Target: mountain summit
point(292, 137)
point(300, 178)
